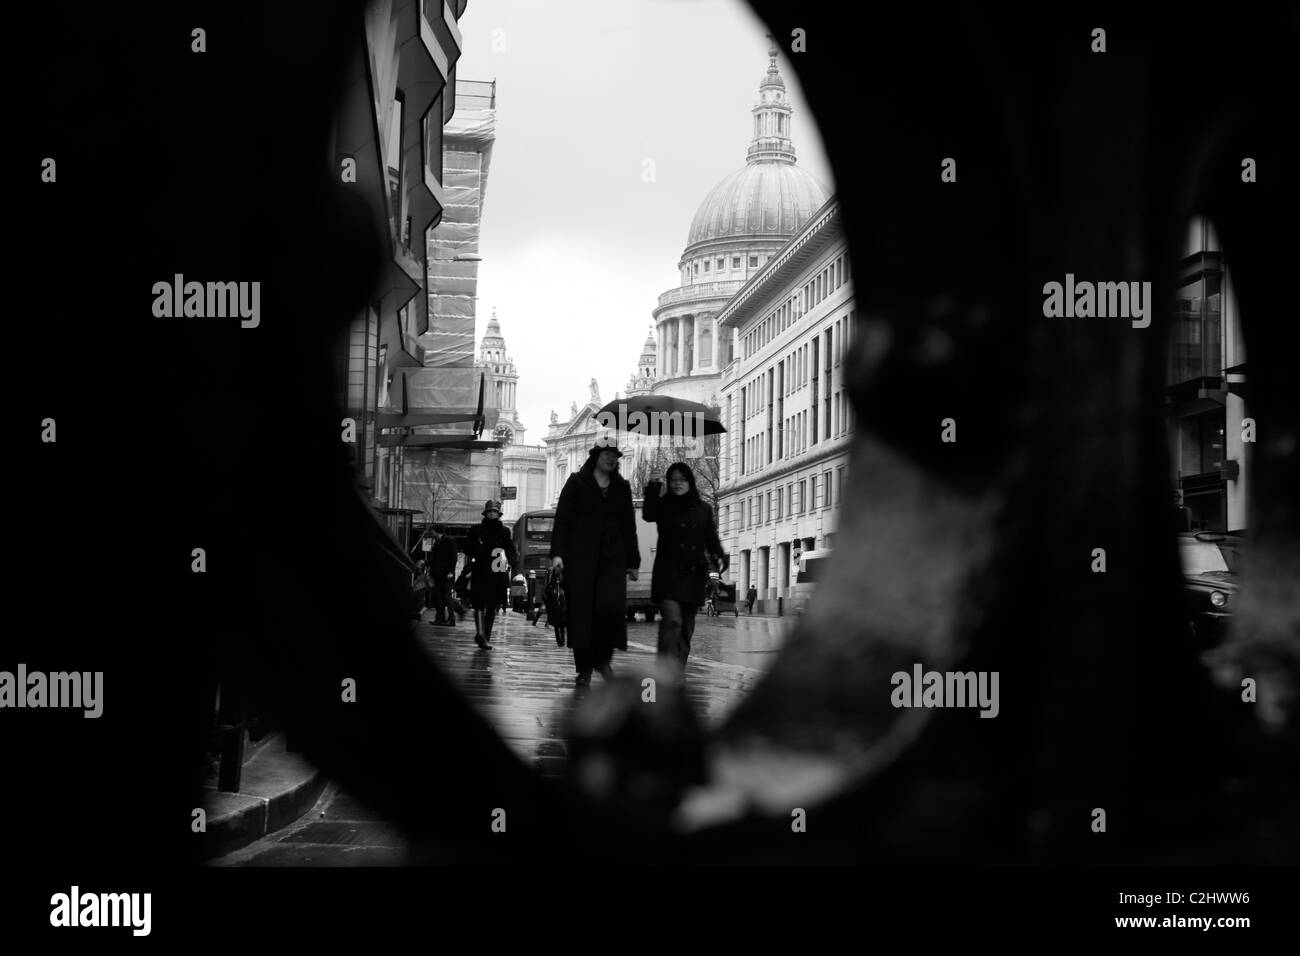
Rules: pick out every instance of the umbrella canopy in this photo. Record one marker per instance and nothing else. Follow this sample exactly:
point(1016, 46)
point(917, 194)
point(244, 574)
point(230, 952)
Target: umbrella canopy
point(659, 416)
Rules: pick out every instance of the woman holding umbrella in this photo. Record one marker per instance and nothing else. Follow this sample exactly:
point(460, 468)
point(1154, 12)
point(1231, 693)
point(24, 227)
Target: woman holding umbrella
point(594, 544)
point(688, 550)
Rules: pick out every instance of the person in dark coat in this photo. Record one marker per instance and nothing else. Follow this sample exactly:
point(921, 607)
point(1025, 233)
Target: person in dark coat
point(688, 550)
point(442, 568)
point(594, 543)
point(489, 546)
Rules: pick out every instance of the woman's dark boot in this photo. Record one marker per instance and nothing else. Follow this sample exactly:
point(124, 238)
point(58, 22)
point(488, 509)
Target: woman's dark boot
point(478, 629)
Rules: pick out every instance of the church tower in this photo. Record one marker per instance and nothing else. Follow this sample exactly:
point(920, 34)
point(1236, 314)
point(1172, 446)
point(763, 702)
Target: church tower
point(502, 383)
point(642, 382)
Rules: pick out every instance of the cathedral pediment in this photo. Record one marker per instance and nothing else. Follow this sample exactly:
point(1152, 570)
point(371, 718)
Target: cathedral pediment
point(584, 421)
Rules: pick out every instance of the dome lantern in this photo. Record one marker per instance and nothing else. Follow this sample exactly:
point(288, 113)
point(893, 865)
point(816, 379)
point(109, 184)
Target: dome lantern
point(771, 141)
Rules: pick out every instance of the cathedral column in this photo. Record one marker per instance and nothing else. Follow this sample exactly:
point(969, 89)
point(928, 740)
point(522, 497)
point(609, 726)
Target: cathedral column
point(681, 345)
point(661, 351)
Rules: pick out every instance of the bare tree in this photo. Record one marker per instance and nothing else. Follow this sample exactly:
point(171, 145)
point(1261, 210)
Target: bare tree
point(653, 461)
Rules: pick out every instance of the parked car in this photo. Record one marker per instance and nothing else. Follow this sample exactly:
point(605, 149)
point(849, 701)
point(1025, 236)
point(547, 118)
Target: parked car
point(1210, 582)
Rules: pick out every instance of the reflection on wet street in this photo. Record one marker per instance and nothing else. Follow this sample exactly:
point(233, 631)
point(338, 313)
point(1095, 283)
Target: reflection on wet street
point(524, 686)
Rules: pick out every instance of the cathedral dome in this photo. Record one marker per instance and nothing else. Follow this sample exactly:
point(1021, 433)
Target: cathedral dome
point(764, 200)
point(771, 197)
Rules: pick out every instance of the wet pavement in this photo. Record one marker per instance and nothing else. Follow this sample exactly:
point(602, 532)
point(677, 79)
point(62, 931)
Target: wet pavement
point(524, 686)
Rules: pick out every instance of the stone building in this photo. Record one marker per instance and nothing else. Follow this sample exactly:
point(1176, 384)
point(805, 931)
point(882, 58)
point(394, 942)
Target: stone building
point(786, 408)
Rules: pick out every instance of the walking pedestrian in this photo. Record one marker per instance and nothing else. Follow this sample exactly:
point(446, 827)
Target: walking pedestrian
point(489, 547)
point(594, 545)
point(750, 597)
point(688, 550)
point(442, 568)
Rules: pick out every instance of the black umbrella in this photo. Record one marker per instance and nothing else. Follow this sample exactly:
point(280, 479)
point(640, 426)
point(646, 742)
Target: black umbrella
point(659, 416)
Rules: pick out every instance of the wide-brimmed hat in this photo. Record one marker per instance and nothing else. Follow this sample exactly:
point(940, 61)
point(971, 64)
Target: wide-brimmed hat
point(492, 506)
point(597, 448)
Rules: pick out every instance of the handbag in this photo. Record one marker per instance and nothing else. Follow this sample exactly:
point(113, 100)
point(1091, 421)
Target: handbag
point(553, 596)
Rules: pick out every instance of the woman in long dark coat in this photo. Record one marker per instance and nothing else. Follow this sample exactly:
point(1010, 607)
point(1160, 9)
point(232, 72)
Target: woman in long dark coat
point(687, 551)
point(492, 551)
point(594, 542)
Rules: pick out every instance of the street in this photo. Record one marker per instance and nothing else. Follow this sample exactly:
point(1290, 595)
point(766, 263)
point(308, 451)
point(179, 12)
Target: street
point(524, 686)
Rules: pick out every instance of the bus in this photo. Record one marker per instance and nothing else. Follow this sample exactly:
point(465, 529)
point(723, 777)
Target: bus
point(532, 537)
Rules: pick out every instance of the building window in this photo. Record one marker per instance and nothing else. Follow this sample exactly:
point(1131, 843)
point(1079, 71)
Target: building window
point(394, 158)
point(697, 268)
point(753, 261)
point(722, 264)
point(826, 493)
point(1195, 347)
point(706, 265)
point(735, 262)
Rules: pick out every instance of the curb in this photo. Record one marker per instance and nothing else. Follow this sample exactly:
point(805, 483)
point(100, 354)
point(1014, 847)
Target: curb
point(277, 787)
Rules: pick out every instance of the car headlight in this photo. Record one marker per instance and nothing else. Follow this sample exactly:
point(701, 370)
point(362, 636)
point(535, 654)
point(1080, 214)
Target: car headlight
point(1218, 598)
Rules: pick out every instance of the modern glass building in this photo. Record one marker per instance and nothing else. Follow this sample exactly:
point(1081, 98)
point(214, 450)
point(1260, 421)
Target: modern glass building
point(1205, 385)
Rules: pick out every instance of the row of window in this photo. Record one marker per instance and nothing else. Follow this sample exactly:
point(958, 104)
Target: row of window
point(721, 263)
point(832, 277)
point(828, 415)
point(800, 432)
point(797, 370)
point(785, 501)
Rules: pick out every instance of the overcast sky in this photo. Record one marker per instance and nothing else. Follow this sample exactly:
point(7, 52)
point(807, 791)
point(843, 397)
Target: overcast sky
point(576, 246)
